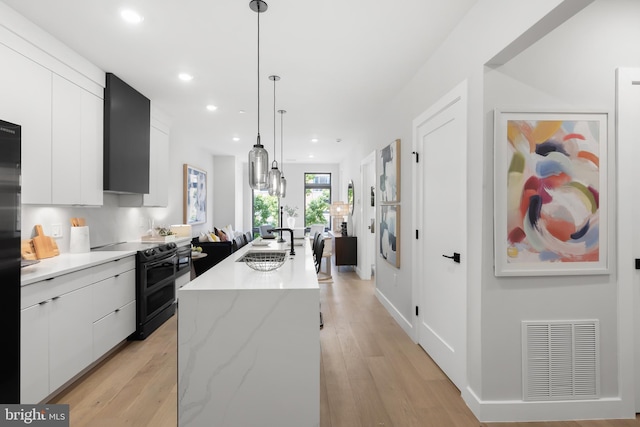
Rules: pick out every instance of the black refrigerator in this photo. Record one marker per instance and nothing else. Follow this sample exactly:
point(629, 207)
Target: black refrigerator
point(10, 261)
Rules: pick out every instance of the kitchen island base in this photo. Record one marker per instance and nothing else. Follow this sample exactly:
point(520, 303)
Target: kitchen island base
point(249, 358)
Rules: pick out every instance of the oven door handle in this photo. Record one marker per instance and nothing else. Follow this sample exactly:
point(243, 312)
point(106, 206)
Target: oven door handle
point(173, 258)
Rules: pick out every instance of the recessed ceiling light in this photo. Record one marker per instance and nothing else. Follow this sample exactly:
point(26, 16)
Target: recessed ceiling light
point(241, 112)
point(236, 139)
point(311, 156)
point(185, 77)
point(131, 16)
point(314, 140)
point(211, 107)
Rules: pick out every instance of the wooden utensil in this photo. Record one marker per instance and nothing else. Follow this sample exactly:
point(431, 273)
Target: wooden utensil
point(27, 250)
point(45, 246)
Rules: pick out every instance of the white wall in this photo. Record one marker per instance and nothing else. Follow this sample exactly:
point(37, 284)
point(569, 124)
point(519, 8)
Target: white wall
point(571, 68)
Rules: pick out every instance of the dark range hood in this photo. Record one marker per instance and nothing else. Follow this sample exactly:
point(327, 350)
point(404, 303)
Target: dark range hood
point(127, 123)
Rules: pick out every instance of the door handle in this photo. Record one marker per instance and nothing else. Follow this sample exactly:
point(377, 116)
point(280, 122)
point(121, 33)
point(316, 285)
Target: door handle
point(455, 257)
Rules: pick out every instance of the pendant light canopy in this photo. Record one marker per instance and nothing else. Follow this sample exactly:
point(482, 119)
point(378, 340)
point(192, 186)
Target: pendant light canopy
point(258, 156)
point(274, 173)
point(283, 180)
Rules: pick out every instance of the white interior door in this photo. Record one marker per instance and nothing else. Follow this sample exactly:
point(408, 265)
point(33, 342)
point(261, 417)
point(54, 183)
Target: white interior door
point(440, 139)
point(628, 113)
point(368, 217)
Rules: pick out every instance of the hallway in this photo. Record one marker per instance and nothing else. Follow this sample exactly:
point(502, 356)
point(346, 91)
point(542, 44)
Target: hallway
point(372, 375)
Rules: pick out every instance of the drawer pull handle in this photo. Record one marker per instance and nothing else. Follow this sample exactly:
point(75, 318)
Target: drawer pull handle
point(117, 275)
point(55, 298)
point(44, 302)
point(117, 310)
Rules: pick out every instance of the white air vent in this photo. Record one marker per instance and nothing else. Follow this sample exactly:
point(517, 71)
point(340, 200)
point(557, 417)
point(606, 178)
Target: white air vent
point(560, 360)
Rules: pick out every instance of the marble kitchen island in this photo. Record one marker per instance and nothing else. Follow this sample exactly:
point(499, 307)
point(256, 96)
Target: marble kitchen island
point(249, 344)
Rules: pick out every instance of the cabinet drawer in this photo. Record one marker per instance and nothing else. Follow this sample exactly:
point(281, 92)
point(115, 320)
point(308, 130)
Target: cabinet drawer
point(112, 293)
point(111, 329)
point(41, 291)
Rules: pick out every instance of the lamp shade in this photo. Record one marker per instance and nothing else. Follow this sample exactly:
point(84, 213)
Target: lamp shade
point(274, 180)
point(339, 209)
point(258, 168)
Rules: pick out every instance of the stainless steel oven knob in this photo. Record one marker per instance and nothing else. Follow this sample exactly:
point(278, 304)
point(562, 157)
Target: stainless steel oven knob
point(150, 252)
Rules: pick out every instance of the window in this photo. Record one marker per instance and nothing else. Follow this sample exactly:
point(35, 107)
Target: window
point(317, 198)
point(265, 209)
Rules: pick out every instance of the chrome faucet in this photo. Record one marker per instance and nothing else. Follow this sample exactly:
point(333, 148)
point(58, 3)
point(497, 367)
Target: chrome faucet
point(292, 252)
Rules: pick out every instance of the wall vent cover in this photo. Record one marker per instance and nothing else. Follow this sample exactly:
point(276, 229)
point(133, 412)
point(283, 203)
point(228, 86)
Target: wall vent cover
point(560, 360)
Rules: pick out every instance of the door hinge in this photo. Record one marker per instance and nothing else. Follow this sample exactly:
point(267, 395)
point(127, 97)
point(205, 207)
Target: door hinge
point(416, 234)
point(416, 310)
point(417, 156)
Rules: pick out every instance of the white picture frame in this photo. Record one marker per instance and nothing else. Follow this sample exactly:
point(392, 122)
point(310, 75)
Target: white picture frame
point(551, 193)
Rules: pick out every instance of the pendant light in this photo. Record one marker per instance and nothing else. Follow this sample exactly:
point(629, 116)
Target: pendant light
point(274, 173)
point(283, 180)
point(258, 156)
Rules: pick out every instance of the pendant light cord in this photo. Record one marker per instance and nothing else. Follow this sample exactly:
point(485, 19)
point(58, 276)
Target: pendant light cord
point(281, 144)
point(274, 119)
point(258, 13)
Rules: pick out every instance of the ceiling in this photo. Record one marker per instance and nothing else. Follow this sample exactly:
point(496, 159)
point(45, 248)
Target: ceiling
point(338, 60)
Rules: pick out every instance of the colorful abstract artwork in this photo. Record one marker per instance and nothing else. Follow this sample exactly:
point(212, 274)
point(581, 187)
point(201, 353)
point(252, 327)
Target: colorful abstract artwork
point(195, 195)
point(389, 178)
point(551, 194)
point(390, 234)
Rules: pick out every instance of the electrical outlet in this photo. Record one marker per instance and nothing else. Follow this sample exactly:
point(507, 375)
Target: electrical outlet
point(56, 230)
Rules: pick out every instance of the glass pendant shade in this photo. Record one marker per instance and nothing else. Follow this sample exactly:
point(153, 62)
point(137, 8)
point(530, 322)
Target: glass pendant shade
point(258, 168)
point(274, 179)
point(283, 187)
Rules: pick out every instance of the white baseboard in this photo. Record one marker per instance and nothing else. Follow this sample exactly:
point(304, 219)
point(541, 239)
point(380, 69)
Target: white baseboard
point(564, 410)
point(405, 324)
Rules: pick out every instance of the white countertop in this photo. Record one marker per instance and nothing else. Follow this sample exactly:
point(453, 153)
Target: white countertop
point(67, 263)
point(298, 272)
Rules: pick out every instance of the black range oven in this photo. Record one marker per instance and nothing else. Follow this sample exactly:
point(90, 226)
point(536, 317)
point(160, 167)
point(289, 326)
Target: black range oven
point(183, 265)
point(155, 288)
point(156, 270)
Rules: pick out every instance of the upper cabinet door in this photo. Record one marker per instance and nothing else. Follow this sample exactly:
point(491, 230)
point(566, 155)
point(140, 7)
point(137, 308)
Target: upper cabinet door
point(26, 101)
point(159, 165)
point(76, 145)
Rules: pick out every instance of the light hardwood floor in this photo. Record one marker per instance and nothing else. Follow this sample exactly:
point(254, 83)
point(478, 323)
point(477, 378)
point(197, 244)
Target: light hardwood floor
point(372, 375)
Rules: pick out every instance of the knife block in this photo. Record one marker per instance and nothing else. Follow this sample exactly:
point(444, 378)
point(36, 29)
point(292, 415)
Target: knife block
point(79, 240)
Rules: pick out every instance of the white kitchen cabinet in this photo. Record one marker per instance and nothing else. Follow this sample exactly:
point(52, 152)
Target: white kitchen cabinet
point(70, 336)
point(59, 317)
point(158, 168)
point(113, 328)
point(26, 101)
point(77, 151)
point(114, 311)
point(158, 173)
point(34, 353)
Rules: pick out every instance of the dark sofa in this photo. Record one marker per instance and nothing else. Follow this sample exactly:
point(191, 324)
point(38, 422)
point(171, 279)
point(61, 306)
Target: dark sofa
point(216, 252)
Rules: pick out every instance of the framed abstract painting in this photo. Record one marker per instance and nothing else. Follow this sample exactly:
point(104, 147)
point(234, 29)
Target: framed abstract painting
point(390, 234)
point(551, 193)
point(195, 195)
point(389, 178)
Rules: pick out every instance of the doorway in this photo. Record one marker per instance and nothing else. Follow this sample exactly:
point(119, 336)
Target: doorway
point(440, 216)
point(366, 264)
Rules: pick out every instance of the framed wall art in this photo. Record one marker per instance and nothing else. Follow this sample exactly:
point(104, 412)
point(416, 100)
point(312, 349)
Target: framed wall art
point(195, 195)
point(551, 193)
point(389, 167)
point(389, 233)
